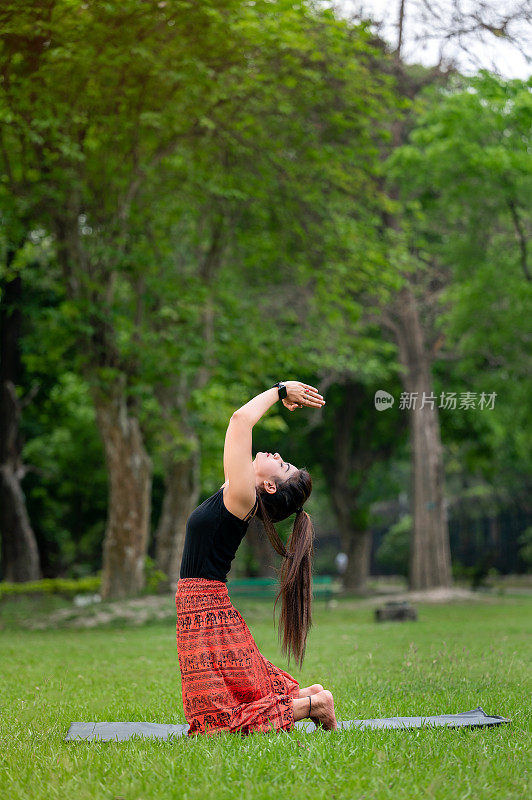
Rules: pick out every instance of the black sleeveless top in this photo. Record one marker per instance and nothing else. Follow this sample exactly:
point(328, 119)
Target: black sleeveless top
point(213, 536)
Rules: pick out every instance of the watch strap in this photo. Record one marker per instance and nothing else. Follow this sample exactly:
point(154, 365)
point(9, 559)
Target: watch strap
point(282, 390)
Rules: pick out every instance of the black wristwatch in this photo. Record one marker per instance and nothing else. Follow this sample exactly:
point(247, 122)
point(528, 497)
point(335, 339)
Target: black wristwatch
point(282, 390)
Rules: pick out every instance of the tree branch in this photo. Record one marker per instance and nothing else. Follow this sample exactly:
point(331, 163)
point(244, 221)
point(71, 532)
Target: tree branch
point(521, 236)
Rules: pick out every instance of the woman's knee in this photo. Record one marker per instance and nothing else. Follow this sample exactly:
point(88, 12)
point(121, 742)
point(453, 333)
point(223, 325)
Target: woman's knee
point(316, 687)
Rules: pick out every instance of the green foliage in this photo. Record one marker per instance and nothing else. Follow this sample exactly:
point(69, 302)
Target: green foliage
point(155, 579)
point(394, 549)
point(66, 487)
point(461, 571)
point(465, 184)
point(525, 549)
point(194, 197)
point(61, 586)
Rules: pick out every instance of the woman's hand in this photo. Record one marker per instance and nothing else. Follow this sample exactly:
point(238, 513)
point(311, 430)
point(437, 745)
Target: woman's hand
point(301, 394)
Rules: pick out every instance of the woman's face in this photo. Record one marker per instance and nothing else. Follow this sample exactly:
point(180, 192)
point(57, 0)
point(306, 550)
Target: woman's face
point(271, 465)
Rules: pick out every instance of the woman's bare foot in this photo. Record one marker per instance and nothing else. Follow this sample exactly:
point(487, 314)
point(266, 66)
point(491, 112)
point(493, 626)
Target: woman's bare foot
point(314, 689)
point(311, 691)
point(323, 715)
point(323, 710)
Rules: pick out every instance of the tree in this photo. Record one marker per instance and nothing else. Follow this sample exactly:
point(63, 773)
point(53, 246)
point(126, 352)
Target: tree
point(465, 184)
point(20, 556)
point(252, 217)
point(353, 438)
point(117, 119)
point(408, 316)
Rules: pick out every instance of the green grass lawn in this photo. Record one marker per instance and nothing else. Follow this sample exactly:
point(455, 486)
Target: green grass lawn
point(454, 658)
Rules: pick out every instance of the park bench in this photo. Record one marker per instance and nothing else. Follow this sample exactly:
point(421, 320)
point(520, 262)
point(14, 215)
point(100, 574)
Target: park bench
point(322, 586)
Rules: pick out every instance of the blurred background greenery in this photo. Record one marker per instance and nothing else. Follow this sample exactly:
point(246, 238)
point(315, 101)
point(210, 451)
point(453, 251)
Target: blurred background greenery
point(200, 199)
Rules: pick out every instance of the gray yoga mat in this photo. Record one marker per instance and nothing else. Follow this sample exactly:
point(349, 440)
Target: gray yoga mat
point(120, 731)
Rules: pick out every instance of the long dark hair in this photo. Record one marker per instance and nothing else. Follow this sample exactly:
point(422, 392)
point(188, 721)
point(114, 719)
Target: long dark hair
point(295, 575)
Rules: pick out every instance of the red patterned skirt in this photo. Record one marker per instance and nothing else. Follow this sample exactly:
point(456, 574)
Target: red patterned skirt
point(227, 683)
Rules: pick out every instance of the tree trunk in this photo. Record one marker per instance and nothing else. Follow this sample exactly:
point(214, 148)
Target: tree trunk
point(356, 543)
point(20, 556)
point(261, 548)
point(355, 540)
point(129, 469)
point(357, 547)
point(182, 488)
point(430, 553)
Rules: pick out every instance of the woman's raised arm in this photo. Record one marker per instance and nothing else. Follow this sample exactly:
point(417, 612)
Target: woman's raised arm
point(238, 456)
point(297, 394)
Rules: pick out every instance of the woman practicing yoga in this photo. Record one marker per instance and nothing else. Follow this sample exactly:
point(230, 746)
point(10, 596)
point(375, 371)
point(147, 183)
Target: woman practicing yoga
point(228, 685)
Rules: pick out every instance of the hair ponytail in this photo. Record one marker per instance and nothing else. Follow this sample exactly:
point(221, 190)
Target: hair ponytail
point(295, 576)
